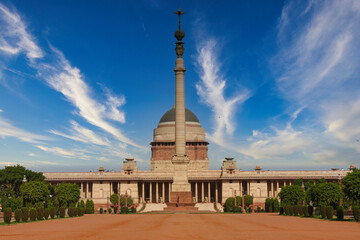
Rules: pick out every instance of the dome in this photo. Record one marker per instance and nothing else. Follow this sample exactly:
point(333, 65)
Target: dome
point(169, 116)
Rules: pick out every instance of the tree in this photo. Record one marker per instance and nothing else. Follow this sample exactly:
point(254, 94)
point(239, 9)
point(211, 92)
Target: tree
point(292, 195)
point(248, 200)
point(34, 192)
point(11, 178)
point(114, 199)
point(326, 194)
point(351, 186)
point(122, 201)
point(298, 182)
point(67, 194)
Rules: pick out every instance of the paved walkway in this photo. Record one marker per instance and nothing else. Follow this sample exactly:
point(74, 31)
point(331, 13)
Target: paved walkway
point(184, 226)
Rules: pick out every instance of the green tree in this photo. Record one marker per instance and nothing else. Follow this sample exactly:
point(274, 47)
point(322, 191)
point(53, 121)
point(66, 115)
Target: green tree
point(351, 186)
point(34, 192)
point(248, 200)
point(122, 201)
point(67, 194)
point(11, 178)
point(298, 182)
point(114, 199)
point(292, 195)
point(326, 194)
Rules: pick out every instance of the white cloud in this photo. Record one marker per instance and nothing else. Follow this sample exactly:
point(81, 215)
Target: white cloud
point(14, 37)
point(73, 153)
point(82, 134)
point(9, 130)
point(211, 90)
point(47, 162)
point(32, 155)
point(324, 156)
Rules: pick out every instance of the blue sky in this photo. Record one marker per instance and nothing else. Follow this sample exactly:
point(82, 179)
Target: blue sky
point(274, 83)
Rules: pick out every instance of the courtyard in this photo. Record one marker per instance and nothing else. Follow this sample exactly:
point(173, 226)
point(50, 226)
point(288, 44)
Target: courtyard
point(183, 226)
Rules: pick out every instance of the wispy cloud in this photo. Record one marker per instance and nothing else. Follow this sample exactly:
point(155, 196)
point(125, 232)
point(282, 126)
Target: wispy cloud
point(211, 90)
point(73, 153)
point(7, 129)
point(14, 37)
point(82, 134)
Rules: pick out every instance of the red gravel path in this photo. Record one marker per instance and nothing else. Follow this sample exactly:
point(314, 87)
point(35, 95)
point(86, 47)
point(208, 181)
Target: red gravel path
point(183, 226)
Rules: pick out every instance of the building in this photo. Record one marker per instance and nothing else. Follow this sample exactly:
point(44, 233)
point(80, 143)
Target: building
point(179, 171)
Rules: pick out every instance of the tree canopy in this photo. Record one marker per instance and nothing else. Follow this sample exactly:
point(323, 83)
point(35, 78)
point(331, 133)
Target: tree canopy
point(292, 195)
point(67, 194)
point(351, 185)
point(114, 199)
point(34, 192)
point(326, 194)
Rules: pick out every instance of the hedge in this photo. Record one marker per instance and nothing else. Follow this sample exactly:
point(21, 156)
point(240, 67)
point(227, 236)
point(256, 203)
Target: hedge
point(40, 213)
point(356, 212)
point(310, 210)
point(46, 213)
point(90, 208)
point(281, 210)
point(52, 212)
point(25, 214)
point(323, 211)
point(62, 212)
point(7, 215)
point(18, 215)
point(329, 212)
point(33, 214)
point(340, 213)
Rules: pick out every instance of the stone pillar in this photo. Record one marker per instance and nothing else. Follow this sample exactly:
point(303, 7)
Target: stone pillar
point(110, 183)
point(150, 187)
point(272, 188)
point(277, 188)
point(143, 192)
point(82, 190)
point(209, 189)
point(216, 192)
point(240, 187)
point(290, 183)
point(196, 192)
point(163, 191)
point(248, 187)
point(202, 192)
point(169, 190)
point(157, 192)
point(87, 190)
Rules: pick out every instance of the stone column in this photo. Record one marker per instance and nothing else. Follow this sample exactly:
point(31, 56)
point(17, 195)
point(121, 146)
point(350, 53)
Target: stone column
point(163, 191)
point(150, 186)
point(272, 188)
point(202, 192)
point(277, 187)
point(110, 183)
point(248, 187)
point(143, 191)
point(216, 192)
point(240, 187)
point(209, 189)
point(157, 192)
point(87, 190)
point(196, 192)
point(82, 190)
point(290, 183)
point(169, 190)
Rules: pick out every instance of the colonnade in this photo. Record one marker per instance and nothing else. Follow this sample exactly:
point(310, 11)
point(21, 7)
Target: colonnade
point(85, 191)
point(275, 186)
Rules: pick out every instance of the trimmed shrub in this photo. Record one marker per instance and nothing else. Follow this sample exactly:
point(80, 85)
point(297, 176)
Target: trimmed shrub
point(7, 215)
point(90, 208)
point(81, 211)
point(281, 210)
point(229, 204)
point(356, 213)
point(296, 210)
point(25, 214)
point(329, 212)
point(62, 212)
point(306, 211)
point(101, 210)
point(310, 210)
point(323, 211)
point(40, 213)
point(340, 212)
point(115, 209)
point(291, 211)
point(124, 210)
point(132, 210)
point(109, 210)
point(75, 212)
point(52, 212)
point(33, 214)
point(46, 213)
point(301, 210)
point(17, 215)
point(276, 205)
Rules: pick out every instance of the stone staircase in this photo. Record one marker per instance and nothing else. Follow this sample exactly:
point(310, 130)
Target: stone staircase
point(205, 207)
point(180, 207)
point(154, 207)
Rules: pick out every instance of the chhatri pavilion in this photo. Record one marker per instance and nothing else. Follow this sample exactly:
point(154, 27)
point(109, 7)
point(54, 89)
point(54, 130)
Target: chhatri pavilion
point(179, 171)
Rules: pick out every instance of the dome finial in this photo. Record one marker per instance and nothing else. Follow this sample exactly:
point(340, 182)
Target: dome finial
point(179, 34)
point(179, 12)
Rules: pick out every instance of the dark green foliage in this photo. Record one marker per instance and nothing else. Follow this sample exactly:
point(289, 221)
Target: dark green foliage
point(34, 192)
point(109, 210)
point(33, 214)
point(296, 210)
point(18, 215)
point(46, 213)
point(81, 211)
point(24, 214)
point(67, 194)
point(115, 209)
point(52, 212)
point(40, 213)
point(101, 210)
point(281, 210)
point(306, 211)
point(340, 213)
point(326, 194)
point(276, 205)
point(114, 199)
point(329, 212)
point(16, 203)
point(132, 210)
point(268, 204)
point(356, 213)
point(323, 211)
point(11, 178)
point(351, 185)
point(298, 182)
point(62, 212)
point(291, 195)
point(124, 210)
point(90, 208)
point(291, 211)
point(229, 204)
point(7, 215)
point(310, 210)
point(81, 204)
point(129, 201)
point(301, 210)
point(248, 200)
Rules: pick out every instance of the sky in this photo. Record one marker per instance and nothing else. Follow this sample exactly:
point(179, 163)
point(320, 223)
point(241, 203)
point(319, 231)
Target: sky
point(274, 83)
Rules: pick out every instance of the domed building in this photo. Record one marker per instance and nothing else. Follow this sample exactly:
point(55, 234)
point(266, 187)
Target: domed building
point(163, 144)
